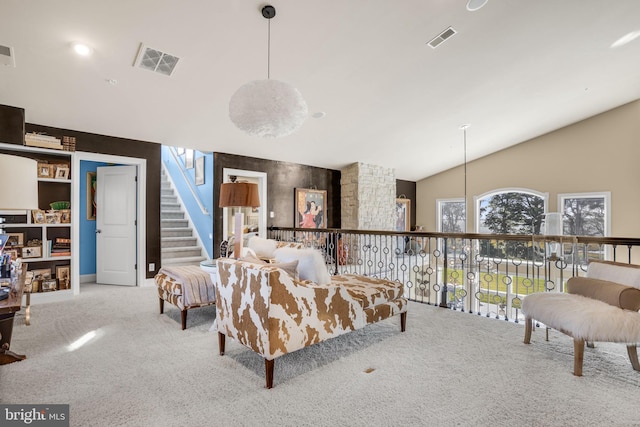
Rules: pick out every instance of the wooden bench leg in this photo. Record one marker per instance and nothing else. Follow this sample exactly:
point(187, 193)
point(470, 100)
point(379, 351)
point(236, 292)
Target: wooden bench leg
point(268, 369)
point(528, 327)
point(161, 305)
point(578, 356)
point(221, 342)
point(403, 321)
point(633, 357)
point(183, 316)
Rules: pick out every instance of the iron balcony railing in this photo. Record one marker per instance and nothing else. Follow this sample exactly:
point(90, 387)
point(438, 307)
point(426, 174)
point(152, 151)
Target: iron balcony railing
point(484, 274)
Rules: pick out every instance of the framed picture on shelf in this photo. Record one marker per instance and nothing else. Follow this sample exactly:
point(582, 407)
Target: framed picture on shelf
point(199, 175)
point(13, 253)
point(32, 252)
point(52, 217)
point(62, 172)
point(65, 216)
point(310, 208)
point(42, 274)
point(63, 274)
point(45, 170)
point(15, 239)
point(38, 216)
point(403, 214)
point(49, 285)
point(188, 158)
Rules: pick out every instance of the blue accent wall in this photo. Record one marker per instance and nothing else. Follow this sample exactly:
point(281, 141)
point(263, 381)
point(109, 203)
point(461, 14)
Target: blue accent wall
point(87, 227)
point(203, 223)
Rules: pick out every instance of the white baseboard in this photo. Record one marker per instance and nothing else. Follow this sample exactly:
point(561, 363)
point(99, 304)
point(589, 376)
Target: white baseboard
point(88, 278)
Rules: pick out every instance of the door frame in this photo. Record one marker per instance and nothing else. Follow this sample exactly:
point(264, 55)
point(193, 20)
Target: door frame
point(141, 210)
point(262, 191)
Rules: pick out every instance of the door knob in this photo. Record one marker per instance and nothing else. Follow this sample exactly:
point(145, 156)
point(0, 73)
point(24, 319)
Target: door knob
point(98, 231)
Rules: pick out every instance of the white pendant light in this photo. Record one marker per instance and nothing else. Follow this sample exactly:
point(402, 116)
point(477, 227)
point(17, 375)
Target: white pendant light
point(268, 108)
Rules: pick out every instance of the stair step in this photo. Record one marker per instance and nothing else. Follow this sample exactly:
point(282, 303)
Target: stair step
point(170, 206)
point(174, 242)
point(169, 199)
point(183, 261)
point(171, 215)
point(181, 252)
point(173, 223)
point(166, 192)
point(176, 232)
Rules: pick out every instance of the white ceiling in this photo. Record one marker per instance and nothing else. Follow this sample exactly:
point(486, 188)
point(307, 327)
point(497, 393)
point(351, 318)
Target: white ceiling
point(516, 69)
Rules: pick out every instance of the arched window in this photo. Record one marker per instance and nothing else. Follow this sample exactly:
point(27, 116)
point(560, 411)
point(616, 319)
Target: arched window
point(510, 211)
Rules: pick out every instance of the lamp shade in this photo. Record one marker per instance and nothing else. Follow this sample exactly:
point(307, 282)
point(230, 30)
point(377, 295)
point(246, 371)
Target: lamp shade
point(20, 189)
point(239, 194)
point(268, 108)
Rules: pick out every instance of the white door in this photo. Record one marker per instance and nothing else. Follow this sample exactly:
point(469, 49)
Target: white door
point(116, 225)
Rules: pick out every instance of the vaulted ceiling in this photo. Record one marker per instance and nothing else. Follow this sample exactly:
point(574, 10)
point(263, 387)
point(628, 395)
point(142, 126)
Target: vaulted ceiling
point(514, 70)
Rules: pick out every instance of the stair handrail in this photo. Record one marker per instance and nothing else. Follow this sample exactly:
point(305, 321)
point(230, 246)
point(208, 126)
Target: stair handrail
point(184, 176)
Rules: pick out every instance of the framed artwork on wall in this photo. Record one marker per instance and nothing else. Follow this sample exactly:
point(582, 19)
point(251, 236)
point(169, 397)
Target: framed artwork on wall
point(92, 184)
point(199, 175)
point(310, 206)
point(188, 158)
point(403, 214)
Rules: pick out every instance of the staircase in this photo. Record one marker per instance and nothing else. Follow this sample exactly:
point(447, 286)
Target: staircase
point(178, 243)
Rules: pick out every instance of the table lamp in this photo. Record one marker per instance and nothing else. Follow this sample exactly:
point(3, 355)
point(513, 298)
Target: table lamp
point(238, 194)
point(20, 186)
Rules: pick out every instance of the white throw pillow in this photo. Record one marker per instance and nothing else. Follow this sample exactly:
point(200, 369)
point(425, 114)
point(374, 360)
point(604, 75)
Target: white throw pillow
point(310, 263)
point(264, 248)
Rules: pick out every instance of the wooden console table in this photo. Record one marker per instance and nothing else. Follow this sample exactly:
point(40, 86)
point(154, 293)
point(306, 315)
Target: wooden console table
point(8, 308)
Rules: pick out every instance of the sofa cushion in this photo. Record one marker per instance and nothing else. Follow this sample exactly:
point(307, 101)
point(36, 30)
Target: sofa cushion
point(625, 274)
point(311, 264)
point(616, 294)
point(264, 248)
point(291, 268)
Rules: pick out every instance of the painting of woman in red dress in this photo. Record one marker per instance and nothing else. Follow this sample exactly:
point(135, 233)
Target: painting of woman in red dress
point(310, 208)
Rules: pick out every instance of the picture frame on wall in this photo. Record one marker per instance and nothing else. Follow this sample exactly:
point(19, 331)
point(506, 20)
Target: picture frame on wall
point(199, 173)
point(92, 184)
point(188, 158)
point(179, 151)
point(403, 215)
point(311, 208)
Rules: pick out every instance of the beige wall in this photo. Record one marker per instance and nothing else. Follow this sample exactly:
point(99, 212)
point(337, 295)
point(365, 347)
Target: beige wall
point(598, 154)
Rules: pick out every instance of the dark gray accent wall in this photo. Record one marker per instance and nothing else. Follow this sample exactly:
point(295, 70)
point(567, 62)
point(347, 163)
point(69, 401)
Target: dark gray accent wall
point(282, 180)
point(408, 188)
point(94, 143)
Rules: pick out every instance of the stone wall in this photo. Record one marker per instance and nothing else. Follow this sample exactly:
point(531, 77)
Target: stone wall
point(368, 197)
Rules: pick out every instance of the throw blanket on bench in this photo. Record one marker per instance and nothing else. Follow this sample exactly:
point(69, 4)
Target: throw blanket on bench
point(197, 287)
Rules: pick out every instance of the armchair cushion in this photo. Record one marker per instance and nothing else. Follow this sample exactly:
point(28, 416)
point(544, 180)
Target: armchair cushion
point(616, 294)
point(625, 274)
point(291, 268)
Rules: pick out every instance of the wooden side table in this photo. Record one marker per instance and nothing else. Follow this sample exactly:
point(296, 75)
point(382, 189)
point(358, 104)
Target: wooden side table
point(8, 308)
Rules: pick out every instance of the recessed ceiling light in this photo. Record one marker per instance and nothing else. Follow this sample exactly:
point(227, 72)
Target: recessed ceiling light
point(319, 114)
point(81, 49)
point(473, 5)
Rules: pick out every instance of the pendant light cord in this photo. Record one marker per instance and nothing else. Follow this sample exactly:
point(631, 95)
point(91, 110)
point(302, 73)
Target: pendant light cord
point(269, 49)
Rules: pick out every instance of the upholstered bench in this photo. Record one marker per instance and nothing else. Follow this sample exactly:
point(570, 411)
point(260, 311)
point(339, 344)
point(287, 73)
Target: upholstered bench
point(185, 287)
point(594, 309)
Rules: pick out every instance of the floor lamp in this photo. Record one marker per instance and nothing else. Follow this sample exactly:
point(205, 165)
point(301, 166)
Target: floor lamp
point(238, 194)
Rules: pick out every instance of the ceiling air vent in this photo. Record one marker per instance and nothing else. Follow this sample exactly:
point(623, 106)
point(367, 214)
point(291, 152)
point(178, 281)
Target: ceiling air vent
point(155, 60)
point(440, 38)
point(6, 56)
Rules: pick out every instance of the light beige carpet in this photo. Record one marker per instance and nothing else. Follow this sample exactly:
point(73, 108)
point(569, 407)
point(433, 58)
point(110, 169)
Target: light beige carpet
point(447, 369)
